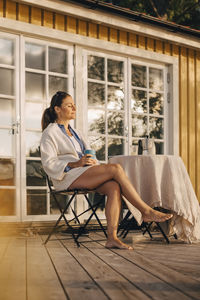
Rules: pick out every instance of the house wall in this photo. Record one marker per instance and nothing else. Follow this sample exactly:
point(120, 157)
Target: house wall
point(189, 69)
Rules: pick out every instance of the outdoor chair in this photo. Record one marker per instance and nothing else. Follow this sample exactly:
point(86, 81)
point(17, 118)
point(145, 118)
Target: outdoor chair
point(128, 222)
point(72, 193)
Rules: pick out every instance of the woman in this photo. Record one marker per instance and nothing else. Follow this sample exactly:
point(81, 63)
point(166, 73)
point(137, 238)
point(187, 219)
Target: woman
point(63, 160)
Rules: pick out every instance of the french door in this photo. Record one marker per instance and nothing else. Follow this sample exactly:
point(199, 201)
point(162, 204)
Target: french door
point(124, 100)
point(31, 71)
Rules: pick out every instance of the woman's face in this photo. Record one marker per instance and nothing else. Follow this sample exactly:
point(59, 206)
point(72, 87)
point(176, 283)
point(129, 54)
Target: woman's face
point(67, 111)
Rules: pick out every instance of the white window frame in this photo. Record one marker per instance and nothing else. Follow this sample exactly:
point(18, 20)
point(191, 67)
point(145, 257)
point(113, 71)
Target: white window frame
point(16, 135)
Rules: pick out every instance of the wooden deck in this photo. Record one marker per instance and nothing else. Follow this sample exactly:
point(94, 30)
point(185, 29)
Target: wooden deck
point(154, 270)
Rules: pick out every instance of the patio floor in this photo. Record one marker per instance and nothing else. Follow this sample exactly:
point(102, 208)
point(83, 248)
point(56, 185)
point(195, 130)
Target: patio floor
point(154, 270)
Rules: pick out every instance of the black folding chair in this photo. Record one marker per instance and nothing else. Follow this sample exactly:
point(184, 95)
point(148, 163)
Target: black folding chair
point(129, 221)
point(93, 208)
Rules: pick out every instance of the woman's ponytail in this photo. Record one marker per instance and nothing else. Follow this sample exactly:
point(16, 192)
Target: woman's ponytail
point(49, 116)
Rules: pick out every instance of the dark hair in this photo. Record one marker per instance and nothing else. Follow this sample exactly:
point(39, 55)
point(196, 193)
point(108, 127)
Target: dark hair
point(49, 115)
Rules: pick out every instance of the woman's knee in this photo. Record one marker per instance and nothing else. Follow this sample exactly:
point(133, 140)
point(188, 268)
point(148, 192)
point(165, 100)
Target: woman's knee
point(112, 187)
point(115, 169)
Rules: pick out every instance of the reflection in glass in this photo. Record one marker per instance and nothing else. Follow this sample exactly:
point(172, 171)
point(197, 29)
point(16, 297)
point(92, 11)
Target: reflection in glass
point(115, 98)
point(134, 148)
point(6, 52)
point(139, 101)
point(34, 173)
point(32, 143)
point(98, 144)
point(139, 76)
point(35, 56)
point(6, 147)
point(6, 112)
point(58, 60)
point(96, 120)
point(6, 82)
point(96, 94)
point(96, 67)
point(139, 126)
point(33, 115)
point(156, 103)
point(155, 79)
point(156, 127)
point(57, 84)
point(63, 199)
point(7, 172)
point(7, 202)
point(36, 202)
point(115, 147)
point(35, 86)
point(115, 71)
point(159, 147)
point(116, 123)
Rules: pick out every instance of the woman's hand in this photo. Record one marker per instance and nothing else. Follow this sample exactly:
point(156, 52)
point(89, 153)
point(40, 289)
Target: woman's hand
point(86, 160)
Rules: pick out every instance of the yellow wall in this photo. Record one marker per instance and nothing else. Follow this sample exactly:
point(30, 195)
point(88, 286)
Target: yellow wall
point(189, 70)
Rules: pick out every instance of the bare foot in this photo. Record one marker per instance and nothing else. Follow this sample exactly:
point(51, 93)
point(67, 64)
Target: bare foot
point(116, 243)
point(156, 216)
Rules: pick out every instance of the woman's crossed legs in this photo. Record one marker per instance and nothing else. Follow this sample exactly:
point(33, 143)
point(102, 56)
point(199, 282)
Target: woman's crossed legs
point(111, 180)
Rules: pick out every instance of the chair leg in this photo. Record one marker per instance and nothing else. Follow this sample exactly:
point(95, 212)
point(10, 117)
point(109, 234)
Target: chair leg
point(166, 238)
point(63, 211)
point(147, 227)
point(94, 213)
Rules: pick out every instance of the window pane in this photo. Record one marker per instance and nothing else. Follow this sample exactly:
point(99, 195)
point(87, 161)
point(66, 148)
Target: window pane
point(139, 101)
point(32, 143)
point(115, 71)
point(6, 112)
point(35, 56)
point(156, 127)
point(156, 103)
point(7, 172)
point(96, 67)
point(6, 52)
point(35, 175)
point(57, 60)
point(57, 84)
point(134, 149)
point(35, 86)
point(139, 76)
point(115, 98)
point(96, 120)
point(7, 147)
point(116, 123)
point(98, 144)
point(7, 202)
point(6, 82)
point(139, 126)
point(62, 201)
point(155, 79)
point(96, 94)
point(159, 147)
point(36, 202)
point(33, 115)
point(115, 147)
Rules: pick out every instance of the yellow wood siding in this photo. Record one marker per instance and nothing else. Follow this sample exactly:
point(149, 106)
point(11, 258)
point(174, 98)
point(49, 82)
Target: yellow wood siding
point(189, 70)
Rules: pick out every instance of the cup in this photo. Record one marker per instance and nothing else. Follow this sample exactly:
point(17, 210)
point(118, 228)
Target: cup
point(92, 152)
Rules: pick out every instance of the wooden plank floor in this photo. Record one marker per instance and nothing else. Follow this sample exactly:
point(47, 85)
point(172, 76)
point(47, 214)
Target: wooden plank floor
point(154, 270)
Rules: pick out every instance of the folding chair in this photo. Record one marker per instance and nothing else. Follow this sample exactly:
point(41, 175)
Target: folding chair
point(127, 223)
point(62, 210)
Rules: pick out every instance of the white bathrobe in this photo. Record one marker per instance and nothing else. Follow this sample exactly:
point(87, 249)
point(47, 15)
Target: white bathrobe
point(56, 152)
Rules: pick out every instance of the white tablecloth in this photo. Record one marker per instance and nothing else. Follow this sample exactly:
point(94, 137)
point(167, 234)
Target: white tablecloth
point(163, 181)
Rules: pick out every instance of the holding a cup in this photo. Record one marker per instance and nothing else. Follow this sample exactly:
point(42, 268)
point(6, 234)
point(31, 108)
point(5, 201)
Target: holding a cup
point(90, 153)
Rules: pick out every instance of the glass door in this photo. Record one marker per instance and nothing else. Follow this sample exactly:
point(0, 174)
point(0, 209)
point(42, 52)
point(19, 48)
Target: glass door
point(9, 128)
point(47, 67)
